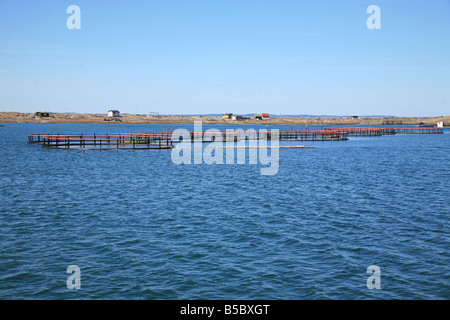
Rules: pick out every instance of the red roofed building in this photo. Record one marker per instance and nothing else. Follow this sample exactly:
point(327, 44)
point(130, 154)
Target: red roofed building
point(262, 116)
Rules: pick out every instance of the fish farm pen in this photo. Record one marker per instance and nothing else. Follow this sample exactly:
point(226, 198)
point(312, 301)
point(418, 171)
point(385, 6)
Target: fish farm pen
point(364, 131)
point(239, 135)
point(111, 141)
point(422, 130)
point(166, 140)
point(361, 131)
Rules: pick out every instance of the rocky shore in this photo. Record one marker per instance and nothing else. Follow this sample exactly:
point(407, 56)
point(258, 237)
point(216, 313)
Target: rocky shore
point(17, 117)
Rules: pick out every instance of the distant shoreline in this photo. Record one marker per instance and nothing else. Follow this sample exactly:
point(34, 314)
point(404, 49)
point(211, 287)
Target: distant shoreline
point(18, 117)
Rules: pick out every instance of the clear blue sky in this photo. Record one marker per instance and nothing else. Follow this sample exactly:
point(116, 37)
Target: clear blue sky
point(217, 56)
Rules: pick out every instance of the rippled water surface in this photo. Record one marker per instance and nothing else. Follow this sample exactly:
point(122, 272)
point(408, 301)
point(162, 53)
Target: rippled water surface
point(141, 227)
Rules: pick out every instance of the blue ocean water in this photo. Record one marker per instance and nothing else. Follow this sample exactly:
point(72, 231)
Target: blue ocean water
point(140, 227)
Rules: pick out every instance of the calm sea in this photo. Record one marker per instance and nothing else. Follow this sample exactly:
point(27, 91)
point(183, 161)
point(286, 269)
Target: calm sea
point(140, 227)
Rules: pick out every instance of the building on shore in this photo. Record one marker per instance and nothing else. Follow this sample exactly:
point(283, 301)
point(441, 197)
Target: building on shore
point(113, 113)
point(262, 116)
point(227, 116)
point(42, 114)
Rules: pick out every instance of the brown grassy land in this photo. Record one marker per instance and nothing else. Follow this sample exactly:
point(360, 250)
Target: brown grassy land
point(17, 117)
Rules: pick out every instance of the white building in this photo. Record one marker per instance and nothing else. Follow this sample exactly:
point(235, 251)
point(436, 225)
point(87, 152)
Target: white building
point(113, 113)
